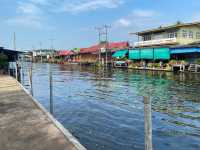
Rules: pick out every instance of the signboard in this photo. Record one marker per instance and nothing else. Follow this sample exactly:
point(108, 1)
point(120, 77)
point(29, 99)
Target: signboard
point(103, 50)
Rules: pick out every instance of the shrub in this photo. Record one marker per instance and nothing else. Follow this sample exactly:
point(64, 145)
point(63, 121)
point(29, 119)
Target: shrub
point(198, 61)
point(3, 61)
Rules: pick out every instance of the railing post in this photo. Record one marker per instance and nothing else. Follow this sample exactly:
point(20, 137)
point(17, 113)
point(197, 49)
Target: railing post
point(50, 90)
point(148, 123)
point(30, 80)
point(16, 71)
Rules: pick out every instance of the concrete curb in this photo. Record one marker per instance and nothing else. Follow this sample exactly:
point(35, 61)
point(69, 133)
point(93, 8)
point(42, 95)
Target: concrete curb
point(65, 132)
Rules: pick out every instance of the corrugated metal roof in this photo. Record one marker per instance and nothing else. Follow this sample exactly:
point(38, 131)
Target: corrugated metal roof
point(111, 46)
point(163, 28)
point(65, 53)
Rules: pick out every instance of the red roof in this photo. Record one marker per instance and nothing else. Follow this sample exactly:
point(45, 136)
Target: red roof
point(65, 53)
point(118, 45)
point(112, 46)
point(91, 49)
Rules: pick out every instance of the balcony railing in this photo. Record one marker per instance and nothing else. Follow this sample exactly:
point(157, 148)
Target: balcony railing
point(156, 42)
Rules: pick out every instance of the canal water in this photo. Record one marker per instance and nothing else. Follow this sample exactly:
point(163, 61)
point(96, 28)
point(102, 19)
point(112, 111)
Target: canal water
point(104, 109)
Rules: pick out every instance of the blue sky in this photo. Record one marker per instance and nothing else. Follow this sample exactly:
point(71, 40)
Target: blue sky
point(72, 22)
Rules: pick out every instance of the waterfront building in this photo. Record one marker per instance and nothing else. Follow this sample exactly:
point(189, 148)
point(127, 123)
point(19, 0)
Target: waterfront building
point(157, 43)
point(8, 60)
point(178, 34)
point(43, 55)
point(98, 53)
point(179, 42)
point(26, 56)
point(65, 56)
point(12, 55)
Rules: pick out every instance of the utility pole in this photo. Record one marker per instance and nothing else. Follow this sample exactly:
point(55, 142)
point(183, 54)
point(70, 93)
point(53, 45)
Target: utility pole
point(106, 27)
point(99, 29)
point(14, 41)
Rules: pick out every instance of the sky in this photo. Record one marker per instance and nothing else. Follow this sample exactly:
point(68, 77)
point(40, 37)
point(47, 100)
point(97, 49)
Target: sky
point(72, 23)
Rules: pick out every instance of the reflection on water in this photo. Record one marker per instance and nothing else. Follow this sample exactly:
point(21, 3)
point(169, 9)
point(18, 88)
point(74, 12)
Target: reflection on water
point(104, 109)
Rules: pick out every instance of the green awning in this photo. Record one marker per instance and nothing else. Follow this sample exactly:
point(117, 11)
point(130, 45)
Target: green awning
point(161, 53)
point(134, 54)
point(120, 54)
point(147, 53)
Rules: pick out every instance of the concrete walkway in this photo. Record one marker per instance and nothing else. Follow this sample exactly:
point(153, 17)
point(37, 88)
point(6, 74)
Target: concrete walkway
point(25, 125)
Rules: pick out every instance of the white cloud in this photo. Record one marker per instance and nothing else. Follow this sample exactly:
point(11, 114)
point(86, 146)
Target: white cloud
point(123, 22)
point(31, 13)
point(195, 17)
point(144, 13)
point(26, 21)
point(40, 2)
point(87, 5)
point(135, 21)
point(28, 8)
point(28, 15)
point(137, 18)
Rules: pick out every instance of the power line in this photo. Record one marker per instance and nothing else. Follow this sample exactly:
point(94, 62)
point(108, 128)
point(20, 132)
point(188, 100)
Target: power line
point(51, 41)
point(103, 31)
point(106, 28)
point(99, 30)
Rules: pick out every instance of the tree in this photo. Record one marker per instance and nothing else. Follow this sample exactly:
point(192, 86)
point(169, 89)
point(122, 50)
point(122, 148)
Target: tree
point(3, 61)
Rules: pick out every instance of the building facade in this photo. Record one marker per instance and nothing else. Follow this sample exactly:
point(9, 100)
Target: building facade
point(43, 55)
point(178, 34)
point(172, 46)
point(101, 52)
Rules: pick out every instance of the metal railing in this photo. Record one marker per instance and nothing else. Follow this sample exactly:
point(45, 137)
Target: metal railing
point(156, 42)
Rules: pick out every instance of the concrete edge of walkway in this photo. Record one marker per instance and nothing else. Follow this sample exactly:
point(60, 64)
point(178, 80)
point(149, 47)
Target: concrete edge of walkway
point(65, 132)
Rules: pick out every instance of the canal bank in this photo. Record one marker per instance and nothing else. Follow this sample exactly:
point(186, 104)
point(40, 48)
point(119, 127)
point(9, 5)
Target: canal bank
point(103, 109)
point(25, 124)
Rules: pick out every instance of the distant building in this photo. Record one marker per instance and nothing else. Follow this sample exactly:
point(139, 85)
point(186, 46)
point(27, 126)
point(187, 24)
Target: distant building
point(43, 55)
point(97, 52)
point(177, 34)
point(65, 55)
point(26, 56)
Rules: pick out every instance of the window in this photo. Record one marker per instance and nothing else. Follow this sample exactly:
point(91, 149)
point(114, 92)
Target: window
point(190, 34)
point(198, 35)
point(147, 37)
point(184, 33)
point(172, 35)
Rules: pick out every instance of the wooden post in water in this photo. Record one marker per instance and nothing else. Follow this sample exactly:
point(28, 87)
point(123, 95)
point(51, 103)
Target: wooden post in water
point(50, 90)
point(148, 123)
point(30, 79)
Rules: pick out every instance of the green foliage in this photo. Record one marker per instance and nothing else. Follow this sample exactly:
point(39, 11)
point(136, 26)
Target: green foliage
point(3, 61)
point(76, 49)
point(173, 62)
point(156, 65)
point(124, 59)
point(198, 61)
